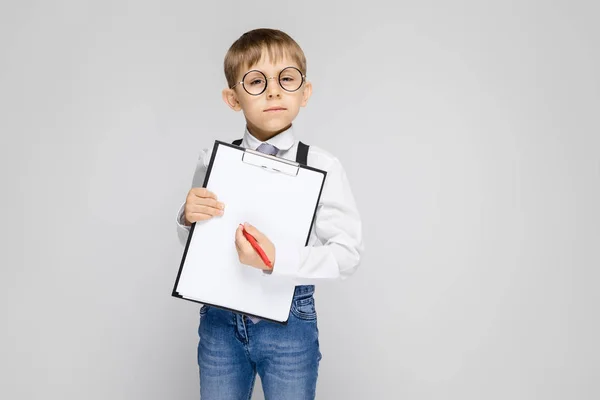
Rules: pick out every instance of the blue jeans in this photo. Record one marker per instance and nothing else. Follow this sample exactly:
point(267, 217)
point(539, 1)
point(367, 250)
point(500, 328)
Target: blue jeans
point(231, 350)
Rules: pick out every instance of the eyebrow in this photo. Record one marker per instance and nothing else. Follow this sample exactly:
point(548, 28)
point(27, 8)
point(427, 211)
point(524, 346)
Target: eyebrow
point(278, 72)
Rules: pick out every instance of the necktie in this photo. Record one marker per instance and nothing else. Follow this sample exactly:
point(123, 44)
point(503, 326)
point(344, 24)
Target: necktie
point(267, 148)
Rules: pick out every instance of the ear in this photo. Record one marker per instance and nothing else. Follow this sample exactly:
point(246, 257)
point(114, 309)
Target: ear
point(230, 98)
point(306, 93)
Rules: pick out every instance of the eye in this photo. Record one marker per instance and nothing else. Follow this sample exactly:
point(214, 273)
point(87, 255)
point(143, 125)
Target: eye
point(287, 78)
point(257, 81)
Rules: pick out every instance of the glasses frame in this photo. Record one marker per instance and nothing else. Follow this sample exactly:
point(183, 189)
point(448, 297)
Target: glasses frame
point(267, 81)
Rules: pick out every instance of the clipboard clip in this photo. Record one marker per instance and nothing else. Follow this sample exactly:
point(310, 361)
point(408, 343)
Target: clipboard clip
point(270, 163)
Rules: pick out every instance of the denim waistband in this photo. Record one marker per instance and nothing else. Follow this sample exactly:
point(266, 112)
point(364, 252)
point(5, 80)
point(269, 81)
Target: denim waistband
point(304, 289)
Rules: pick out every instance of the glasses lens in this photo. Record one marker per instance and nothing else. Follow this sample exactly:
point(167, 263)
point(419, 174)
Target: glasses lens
point(290, 79)
point(255, 82)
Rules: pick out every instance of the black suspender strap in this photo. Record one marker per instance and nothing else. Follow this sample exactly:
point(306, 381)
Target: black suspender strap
point(301, 154)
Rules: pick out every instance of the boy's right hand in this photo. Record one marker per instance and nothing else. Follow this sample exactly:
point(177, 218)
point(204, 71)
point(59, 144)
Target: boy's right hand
point(201, 205)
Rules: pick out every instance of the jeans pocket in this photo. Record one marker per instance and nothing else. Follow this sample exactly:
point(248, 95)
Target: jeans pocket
point(304, 308)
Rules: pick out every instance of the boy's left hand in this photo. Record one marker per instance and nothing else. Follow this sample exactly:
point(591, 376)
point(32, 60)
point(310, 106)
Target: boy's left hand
point(246, 252)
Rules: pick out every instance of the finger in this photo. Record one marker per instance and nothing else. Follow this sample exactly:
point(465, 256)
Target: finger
point(239, 238)
point(195, 217)
point(237, 246)
point(210, 202)
point(207, 210)
point(238, 235)
point(243, 243)
point(204, 193)
point(240, 246)
point(199, 210)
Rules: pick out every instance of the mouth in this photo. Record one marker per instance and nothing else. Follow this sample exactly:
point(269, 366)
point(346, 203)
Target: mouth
point(275, 109)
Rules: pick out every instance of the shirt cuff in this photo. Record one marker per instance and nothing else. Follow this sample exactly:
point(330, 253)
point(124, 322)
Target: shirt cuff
point(181, 218)
point(287, 260)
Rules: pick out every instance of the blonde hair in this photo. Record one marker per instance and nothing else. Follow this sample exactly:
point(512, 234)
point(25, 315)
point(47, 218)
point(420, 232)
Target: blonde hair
point(248, 50)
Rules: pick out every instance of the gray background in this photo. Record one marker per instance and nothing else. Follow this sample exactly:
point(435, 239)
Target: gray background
point(470, 135)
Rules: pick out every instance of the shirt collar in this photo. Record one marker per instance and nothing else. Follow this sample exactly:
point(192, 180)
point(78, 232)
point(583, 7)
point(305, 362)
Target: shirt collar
point(283, 141)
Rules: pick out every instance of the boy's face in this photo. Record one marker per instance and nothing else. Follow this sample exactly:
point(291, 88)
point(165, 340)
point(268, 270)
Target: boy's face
point(272, 111)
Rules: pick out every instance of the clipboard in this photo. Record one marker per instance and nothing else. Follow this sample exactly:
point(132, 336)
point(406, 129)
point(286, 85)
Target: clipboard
point(280, 198)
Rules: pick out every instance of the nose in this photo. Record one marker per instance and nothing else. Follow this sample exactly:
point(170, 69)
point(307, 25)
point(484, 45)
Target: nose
point(273, 89)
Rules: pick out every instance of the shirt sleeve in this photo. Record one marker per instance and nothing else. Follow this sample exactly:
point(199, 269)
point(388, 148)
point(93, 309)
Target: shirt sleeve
point(339, 230)
point(183, 231)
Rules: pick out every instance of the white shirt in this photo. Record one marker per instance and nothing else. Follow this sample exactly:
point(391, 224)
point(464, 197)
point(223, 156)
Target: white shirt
point(335, 243)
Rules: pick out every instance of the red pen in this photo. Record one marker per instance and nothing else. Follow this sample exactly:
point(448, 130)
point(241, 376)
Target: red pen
point(256, 247)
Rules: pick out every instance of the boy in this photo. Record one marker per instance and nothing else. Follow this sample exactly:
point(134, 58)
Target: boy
point(266, 76)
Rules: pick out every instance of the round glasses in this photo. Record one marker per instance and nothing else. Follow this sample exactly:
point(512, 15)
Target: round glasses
point(255, 82)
